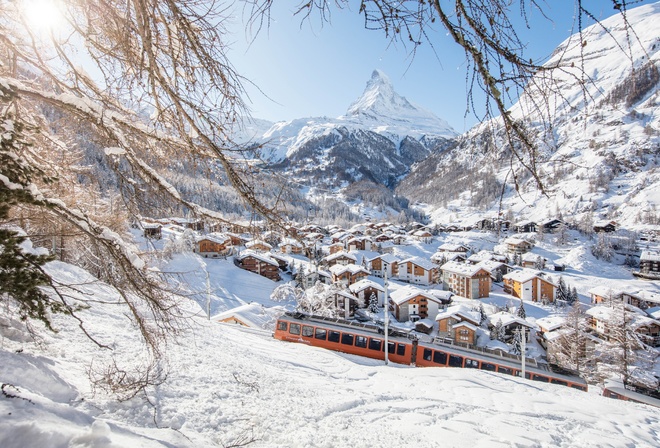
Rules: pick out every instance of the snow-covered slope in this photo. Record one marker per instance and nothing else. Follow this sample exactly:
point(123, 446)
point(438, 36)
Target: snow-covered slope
point(597, 132)
point(228, 387)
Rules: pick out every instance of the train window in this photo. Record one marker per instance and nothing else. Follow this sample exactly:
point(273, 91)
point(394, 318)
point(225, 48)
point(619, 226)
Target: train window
point(347, 338)
point(281, 325)
point(294, 328)
point(307, 331)
point(360, 341)
point(390, 347)
point(560, 382)
point(455, 361)
point(427, 354)
point(488, 366)
point(541, 378)
point(333, 336)
point(579, 387)
point(471, 363)
point(401, 349)
point(506, 370)
point(320, 333)
point(440, 358)
point(375, 344)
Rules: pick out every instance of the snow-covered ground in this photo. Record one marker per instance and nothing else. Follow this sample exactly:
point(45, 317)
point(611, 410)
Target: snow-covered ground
point(227, 386)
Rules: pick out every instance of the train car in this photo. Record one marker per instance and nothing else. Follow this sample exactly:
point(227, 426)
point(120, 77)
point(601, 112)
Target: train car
point(367, 340)
point(617, 390)
point(437, 355)
point(354, 338)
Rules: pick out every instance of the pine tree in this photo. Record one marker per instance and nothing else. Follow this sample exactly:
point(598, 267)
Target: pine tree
point(483, 317)
point(562, 290)
point(521, 310)
point(373, 303)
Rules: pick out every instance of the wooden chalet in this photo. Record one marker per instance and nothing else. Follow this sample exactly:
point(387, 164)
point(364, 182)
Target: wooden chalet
point(347, 274)
point(601, 318)
point(259, 264)
point(649, 263)
point(449, 247)
point(533, 261)
point(452, 324)
point(364, 289)
point(466, 280)
point(341, 258)
point(511, 325)
point(517, 245)
point(359, 243)
point(213, 245)
point(604, 226)
point(258, 245)
point(153, 231)
point(418, 270)
point(382, 264)
point(290, 246)
point(423, 236)
point(410, 303)
point(529, 284)
point(525, 226)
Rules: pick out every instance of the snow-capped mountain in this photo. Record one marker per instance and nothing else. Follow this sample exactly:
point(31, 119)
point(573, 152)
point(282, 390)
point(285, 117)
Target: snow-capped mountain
point(378, 139)
point(596, 125)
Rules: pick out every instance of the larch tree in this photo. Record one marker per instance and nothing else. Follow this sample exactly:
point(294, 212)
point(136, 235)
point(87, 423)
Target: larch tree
point(570, 350)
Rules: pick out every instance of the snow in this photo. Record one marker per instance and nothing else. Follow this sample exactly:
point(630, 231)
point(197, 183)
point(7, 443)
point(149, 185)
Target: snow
point(225, 383)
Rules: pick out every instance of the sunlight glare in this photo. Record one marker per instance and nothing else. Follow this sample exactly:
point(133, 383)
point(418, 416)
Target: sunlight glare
point(43, 16)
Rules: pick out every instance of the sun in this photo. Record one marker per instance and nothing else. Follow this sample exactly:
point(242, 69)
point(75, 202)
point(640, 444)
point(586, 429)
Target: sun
point(43, 16)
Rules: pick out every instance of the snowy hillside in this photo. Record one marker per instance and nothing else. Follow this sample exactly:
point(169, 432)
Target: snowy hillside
point(597, 134)
point(227, 387)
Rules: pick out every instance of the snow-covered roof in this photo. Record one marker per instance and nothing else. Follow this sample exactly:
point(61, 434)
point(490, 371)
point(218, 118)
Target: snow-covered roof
point(464, 269)
point(339, 269)
point(649, 255)
point(605, 291)
point(449, 247)
point(551, 323)
point(214, 237)
point(261, 257)
point(525, 275)
point(338, 255)
point(516, 241)
point(460, 311)
point(364, 284)
point(257, 242)
point(506, 319)
point(252, 315)
point(490, 265)
point(531, 257)
point(407, 292)
point(387, 258)
point(419, 261)
point(606, 313)
point(465, 324)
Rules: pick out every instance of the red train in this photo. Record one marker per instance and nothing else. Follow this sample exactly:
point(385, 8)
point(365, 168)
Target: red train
point(619, 391)
point(367, 340)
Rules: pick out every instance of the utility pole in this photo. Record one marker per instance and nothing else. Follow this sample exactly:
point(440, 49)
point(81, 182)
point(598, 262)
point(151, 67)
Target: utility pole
point(523, 348)
point(387, 312)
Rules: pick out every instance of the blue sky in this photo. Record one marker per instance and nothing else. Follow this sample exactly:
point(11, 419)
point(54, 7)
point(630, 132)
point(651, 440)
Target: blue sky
point(314, 69)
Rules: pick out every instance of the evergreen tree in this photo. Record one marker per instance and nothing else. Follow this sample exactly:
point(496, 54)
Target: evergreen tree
point(521, 310)
point(21, 275)
point(563, 291)
point(517, 341)
point(483, 317)
point(573, 297)
point(373, 303)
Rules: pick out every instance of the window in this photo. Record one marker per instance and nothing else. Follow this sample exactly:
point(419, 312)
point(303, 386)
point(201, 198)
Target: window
point(361, 341)
point(320, 333)
point(541, 378)
point(347, 338)
point(440, 358)
point(455, 361)
point(334, 336)
point(560, 382)
point(471, 363)
point(427, 354)
point(375, 344)
point(506, 370)
point(294, 328)
point(390, 347)
point(488, 366)
point(401, 349)
point(282, 326)
point(307, 331)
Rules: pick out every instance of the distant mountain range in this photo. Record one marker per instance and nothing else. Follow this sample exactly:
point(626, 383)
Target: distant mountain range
point(597, 133)
point(378, 139)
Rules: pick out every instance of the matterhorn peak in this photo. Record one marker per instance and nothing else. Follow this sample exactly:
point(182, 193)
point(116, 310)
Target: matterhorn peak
point(384, 108)
point(378, 97)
